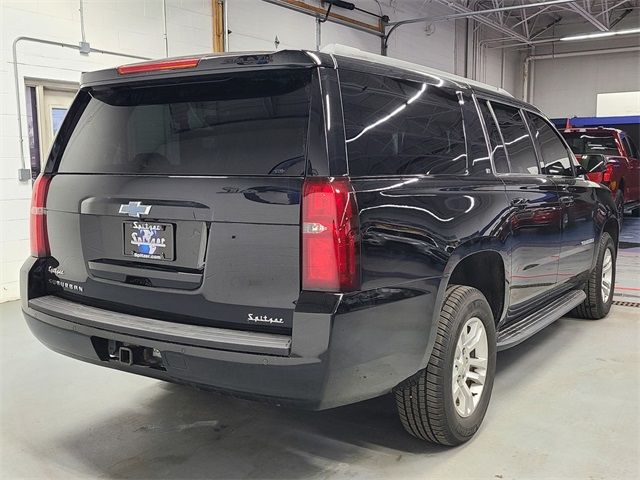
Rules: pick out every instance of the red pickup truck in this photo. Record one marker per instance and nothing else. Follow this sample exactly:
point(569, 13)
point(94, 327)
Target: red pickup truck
point(610, 157)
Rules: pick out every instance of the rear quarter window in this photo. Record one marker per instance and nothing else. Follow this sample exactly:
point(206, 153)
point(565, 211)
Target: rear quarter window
point(401, 127)
point(233, 124)
point(556, 159)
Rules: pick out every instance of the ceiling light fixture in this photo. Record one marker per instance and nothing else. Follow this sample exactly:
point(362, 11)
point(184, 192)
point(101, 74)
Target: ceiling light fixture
point(589, 36)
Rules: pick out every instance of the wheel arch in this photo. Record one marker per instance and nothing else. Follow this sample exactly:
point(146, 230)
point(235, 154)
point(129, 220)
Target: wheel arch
point(457, 268)
point(483, 264)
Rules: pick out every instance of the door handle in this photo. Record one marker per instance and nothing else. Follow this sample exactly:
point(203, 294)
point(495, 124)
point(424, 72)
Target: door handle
point(566, 200)
point(519, 202)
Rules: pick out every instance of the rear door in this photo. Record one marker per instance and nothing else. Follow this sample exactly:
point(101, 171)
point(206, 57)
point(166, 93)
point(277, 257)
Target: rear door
point(535, 213)
point(577, 198)
point(181, 201)
point(632, 185)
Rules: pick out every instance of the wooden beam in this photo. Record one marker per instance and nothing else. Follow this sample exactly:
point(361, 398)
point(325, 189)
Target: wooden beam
point(321, 12)
point(218, 25)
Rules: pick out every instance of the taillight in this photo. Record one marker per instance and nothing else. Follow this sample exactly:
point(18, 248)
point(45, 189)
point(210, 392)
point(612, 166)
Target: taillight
point(606, 176)
point(330, 243)
point(39, 237)
point(155, 66)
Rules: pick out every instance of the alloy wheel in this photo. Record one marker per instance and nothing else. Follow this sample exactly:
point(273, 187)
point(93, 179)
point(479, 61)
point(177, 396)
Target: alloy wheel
point(469, 367)
point(607, 275)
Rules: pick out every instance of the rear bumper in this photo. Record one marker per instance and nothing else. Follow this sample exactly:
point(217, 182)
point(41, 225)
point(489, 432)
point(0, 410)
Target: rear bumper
point(355, 351)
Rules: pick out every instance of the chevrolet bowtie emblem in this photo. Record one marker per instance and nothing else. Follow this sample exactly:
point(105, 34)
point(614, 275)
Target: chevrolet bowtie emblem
point(134, 209)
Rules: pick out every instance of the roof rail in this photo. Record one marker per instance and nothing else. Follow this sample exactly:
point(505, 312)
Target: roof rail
point(343, 50)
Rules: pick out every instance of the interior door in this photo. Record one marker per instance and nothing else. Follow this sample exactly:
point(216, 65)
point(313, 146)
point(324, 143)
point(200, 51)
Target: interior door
point(53, 105)
point(632, 186)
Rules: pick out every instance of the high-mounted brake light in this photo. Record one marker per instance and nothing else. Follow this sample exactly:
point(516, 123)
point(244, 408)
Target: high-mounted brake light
point(330, 231)
point(38, 217)
point(158, 65)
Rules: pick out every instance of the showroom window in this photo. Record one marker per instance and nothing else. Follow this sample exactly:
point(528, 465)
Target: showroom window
point(401, 127)
point(522, 156)
point(497, 148)
point(555, 157)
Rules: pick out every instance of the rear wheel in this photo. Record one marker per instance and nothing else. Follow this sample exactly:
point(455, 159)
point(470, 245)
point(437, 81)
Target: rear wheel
point(601, 282)
point(446, 402)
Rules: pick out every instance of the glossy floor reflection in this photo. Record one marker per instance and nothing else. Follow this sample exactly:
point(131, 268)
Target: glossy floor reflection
point(564, 405)
point(628, 275)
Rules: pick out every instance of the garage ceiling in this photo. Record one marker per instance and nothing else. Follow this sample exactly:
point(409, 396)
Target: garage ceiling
point(529, 22)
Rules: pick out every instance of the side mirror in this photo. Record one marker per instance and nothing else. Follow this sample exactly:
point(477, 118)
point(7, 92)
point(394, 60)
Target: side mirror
point(580, 170)
point(594, 163)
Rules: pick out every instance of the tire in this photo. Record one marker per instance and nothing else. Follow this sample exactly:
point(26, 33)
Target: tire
point(595, 306)
point(426, 404)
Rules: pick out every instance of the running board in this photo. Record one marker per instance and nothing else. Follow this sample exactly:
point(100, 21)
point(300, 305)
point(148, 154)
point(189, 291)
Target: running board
point(518, 332)
point(629, 207)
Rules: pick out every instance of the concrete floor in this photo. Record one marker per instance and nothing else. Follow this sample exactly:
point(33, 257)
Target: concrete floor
point(565, 405)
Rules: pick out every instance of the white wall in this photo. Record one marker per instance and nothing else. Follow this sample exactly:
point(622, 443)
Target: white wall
point(133, 27)
point(499, 67)
point(568, 86)
point(254, 25)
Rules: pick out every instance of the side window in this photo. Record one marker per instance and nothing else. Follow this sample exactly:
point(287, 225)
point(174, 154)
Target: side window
point(556, 160)
point(401, 127)
point(497, 147)
point(631, 148)
point(522, 156)
point(634, 149)
point(479, 161)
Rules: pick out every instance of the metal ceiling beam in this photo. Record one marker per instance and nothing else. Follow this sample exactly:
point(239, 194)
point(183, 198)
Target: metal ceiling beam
point(580, 10)
point(608, 9)
point(465, 12)
point(482, 16)
point(478, 15)
point(532, 16)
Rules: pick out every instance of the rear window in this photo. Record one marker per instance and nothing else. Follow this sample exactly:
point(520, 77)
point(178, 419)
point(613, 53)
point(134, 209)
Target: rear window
point(237, 124)
point(584, 143)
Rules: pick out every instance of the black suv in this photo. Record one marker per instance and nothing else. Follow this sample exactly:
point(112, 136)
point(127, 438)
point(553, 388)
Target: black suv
point(312, 229)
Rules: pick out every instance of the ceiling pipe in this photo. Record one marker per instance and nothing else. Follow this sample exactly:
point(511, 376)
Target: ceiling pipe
point(16, 78)
point(225, 21)
point(82, 32)
point(165, 31)
point(528, 82)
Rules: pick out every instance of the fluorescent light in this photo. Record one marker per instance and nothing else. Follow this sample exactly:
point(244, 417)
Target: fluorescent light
point(588, 36)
